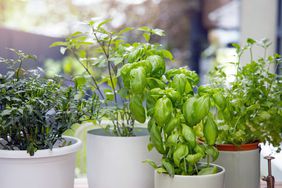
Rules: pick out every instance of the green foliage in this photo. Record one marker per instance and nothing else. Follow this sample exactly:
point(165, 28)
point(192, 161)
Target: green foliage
point(35, 112)
point(253, 110)
point(175, 107)
point(101, 49)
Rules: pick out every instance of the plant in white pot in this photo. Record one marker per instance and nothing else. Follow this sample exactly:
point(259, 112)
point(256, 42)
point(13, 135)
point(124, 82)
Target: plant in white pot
point(115, 152)
point(34, 113)
point(176, 113)
point(252, 114)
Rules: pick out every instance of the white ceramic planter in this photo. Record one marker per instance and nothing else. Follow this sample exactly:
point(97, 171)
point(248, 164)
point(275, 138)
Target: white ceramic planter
point(178, 181)
point(242, 168)
point(116, 162)
point(46, 169)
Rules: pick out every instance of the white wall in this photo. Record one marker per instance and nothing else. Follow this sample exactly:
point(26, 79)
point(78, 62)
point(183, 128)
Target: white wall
point(259, 20)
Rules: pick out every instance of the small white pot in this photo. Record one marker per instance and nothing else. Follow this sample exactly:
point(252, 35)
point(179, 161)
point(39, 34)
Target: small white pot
point(242, 166)
point(179, 181)
point(116, 162)
point(46, 169)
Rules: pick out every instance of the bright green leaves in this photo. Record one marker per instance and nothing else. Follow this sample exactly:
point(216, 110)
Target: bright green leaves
point(194, 158)
point(210, 131)
point(158, 65)
point(189, 135)
point(212, 151)
point(136, 55)
point(208, 170)
point(137, 109)
point(163, 111)
point(188, 110)
point(180, 152)
point(172, 124)
point(201, 108)
point(156, 139)
point(219, 100)
point(137, 80)
point(196, 109)
point(168, 166)
point(179, 83)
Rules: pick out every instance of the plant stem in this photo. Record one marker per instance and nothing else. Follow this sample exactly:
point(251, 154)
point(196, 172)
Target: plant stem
point(89, 73)
point(19, 68)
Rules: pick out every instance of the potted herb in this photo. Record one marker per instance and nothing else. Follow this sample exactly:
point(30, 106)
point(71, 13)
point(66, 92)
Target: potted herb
point(177, 114)
point(34, 113)
point(252, 114)
point(115, 152)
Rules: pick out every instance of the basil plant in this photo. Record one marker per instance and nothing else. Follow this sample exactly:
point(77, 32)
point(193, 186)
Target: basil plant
point(179, 113)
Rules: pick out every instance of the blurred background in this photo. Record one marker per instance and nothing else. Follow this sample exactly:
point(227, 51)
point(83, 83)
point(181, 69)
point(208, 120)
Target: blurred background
point(198, 32)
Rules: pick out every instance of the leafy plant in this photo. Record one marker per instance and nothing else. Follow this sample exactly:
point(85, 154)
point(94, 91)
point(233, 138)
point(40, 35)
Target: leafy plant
point(253, 110)
point(35, 112)
point(179, 113)
point(100, 49)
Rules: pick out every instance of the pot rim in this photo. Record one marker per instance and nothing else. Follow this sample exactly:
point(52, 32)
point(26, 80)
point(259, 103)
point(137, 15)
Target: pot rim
point(243, 147)
point(58, 151)
point(99, 132)
point(197, 176)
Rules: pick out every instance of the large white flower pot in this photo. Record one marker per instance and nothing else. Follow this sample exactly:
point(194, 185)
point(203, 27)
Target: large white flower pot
point(46, 169)
point(242, 165)
point(116, 162)
point(179, 181)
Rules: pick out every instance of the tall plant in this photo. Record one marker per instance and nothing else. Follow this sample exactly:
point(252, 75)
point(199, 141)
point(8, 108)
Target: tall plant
point(253, 110)
point(101, 49)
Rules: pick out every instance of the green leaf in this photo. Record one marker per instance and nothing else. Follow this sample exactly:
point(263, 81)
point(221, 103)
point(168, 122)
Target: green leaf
point(151, 163)
point(147, 36)
point(80, 81)
point(251, 41)
point(189, 135)
point(125, 30)
point(208, 170)
point(59, 43)
point(167, 54)
point(156, 139)
point(180, 153)
point(161, 170)
point(201, 108)
point(6, 112)
point(144, 28)
point(169, 167)
point(104, 22)
point(158, 32)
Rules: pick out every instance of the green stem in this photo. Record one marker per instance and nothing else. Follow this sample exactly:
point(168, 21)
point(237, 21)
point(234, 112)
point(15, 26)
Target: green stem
point(18, 70)
point(89, 73)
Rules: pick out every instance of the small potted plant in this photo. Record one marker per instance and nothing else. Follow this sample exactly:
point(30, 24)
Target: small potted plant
point(116, 150)
point(178, 116)
point(252, 114)
point(34, 113)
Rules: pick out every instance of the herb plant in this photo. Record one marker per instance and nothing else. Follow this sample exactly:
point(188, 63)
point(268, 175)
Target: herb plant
point(35, 112)
point(179, 113)
point(101, 49)
point(253, 110)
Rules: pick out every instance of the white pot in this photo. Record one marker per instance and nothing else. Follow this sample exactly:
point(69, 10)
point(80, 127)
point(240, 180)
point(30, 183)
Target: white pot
point(179, 181)
point(116, 162)
point(46, 169)
point(242, 168)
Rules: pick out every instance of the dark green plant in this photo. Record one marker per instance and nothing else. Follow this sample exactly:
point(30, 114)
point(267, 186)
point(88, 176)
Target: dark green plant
point(253, 110)
point(107, 50)
point(35, 112)
point(179, 113)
